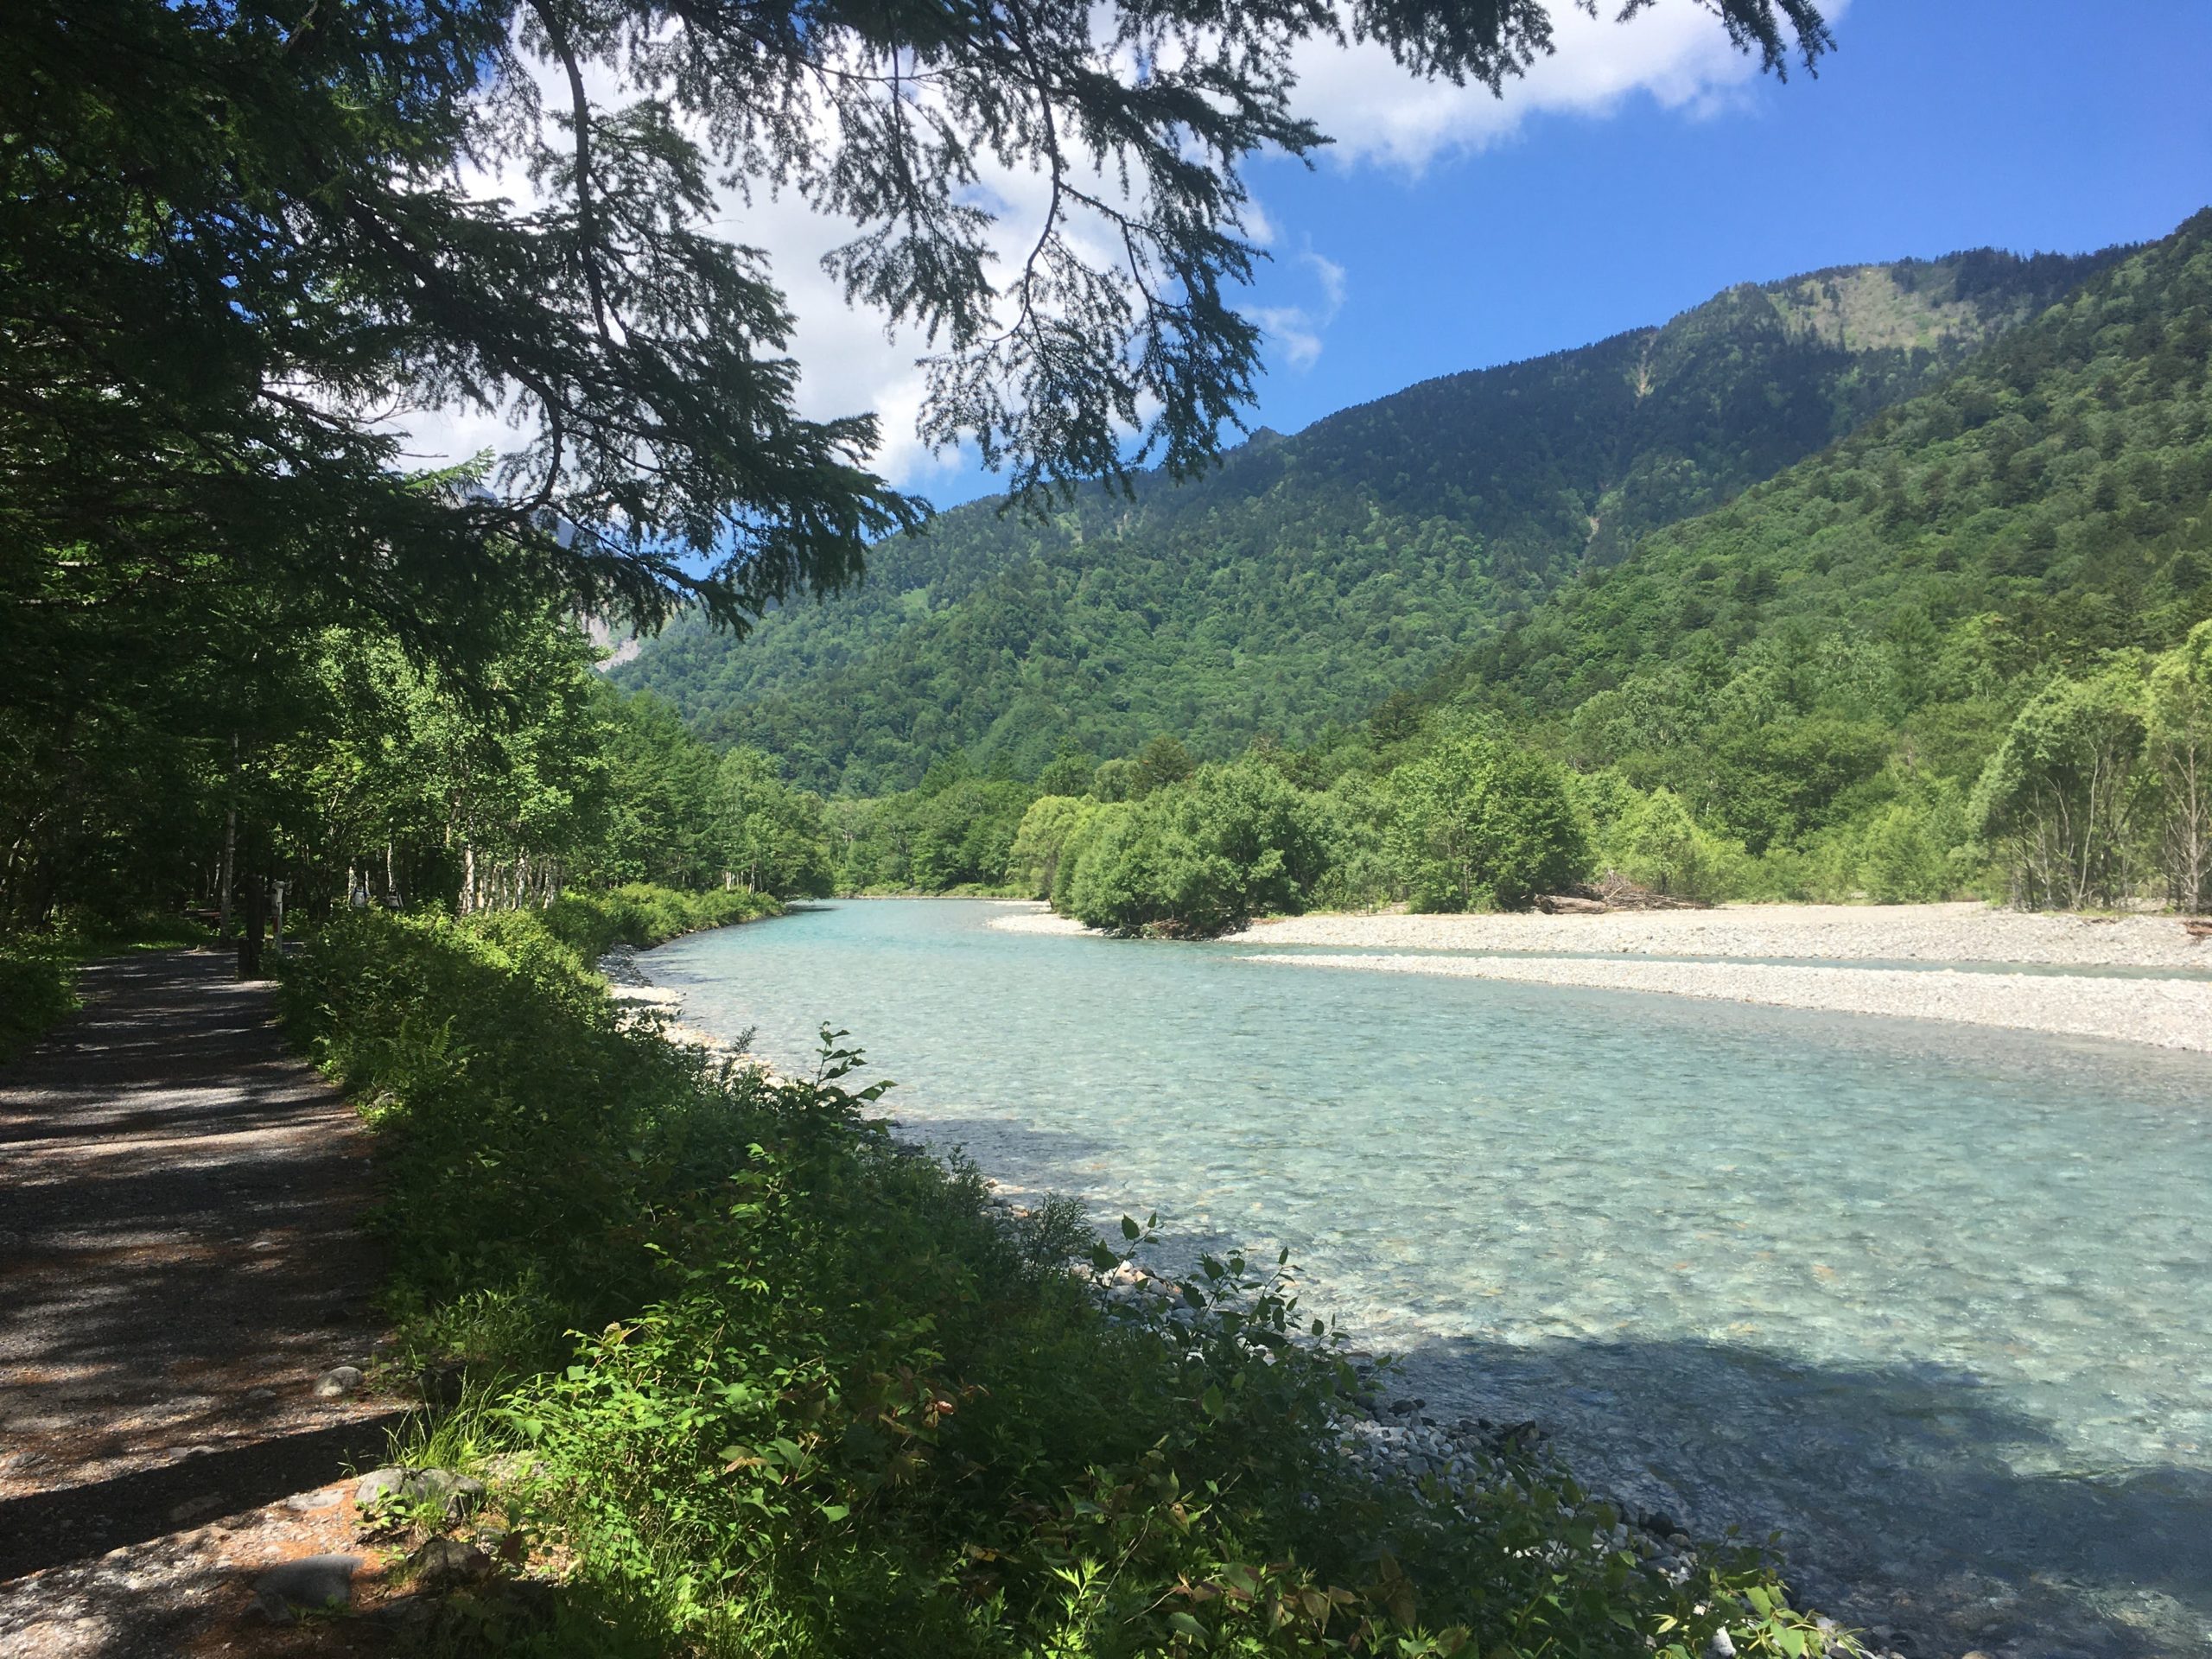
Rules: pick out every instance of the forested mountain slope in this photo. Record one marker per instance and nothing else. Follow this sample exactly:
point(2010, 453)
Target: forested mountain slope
point(1311, 575)
point(1872, 618)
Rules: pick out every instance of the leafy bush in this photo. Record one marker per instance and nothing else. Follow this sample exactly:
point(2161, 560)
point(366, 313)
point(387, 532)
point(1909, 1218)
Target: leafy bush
point(835, 1404)
point(642, 914)
point(1197, 858)
point(1657, 844)
point(38, 970)
point(1042, 841)
point(35, 991)
point(1478, 823)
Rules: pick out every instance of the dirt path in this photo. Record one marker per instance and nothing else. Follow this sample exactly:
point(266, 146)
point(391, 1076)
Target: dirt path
point(180, 1259)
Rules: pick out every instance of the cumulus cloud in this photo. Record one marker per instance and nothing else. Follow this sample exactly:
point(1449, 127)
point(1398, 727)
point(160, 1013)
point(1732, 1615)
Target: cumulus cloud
point(1676, 53)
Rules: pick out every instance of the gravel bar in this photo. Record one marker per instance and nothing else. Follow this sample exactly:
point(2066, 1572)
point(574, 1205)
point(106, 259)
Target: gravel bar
point(2166, 1012)
point(1955, 932)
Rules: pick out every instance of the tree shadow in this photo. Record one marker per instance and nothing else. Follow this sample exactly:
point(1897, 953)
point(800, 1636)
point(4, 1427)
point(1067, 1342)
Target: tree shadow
point(1910, 1496)
point(181, 1254)
point(74, 1524)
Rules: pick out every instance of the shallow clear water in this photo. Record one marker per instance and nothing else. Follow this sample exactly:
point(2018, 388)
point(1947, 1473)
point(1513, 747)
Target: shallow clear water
point(1934, 1302)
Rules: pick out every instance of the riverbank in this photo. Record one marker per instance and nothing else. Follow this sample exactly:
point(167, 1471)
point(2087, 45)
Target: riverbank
point(1969, 932)
point(1770, 956)
point(929, 1437)
point(1446, 1463)
point(2165, 1012)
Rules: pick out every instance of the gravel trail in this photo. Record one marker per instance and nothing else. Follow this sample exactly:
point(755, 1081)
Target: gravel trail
point(180, 1262)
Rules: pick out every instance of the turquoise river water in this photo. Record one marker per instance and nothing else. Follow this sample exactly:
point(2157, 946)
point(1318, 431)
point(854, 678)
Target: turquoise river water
point(1933, 1303)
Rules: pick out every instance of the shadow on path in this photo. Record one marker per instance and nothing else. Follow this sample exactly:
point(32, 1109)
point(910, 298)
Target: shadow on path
point(180, 1257)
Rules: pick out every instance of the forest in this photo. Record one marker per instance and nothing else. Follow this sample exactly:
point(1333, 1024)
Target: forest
point(1886, 582)
point(1312, 577)
point(1962, 651)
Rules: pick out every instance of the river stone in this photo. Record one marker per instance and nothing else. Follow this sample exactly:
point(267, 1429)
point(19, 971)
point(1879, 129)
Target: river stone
point(460, 1494)
point(310, 1581)
point(443, 1562)
point(1722, 1646)
point(337, 1382)
point(379, 1484)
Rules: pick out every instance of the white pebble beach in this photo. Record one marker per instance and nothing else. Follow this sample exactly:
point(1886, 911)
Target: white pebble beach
point(1728, 955)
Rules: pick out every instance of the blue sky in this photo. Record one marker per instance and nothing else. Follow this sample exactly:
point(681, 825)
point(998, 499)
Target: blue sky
point(1937, 124)
point(1639, 171)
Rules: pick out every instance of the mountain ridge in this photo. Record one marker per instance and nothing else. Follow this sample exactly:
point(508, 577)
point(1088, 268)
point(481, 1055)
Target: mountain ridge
point(1311, 575)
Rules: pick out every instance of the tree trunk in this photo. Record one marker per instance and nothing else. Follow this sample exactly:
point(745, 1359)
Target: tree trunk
point(250, 939)
point(224, 872)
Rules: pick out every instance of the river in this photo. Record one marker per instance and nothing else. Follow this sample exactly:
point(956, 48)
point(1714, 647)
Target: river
point(1934, 1303)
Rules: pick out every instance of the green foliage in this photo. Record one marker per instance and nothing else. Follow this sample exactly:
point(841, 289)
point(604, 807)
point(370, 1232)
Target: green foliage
point(2178, 717)
point(1047, 830)
point(640, 914)
point(2058, 803)
point(830, 1402)
point(1199, 858)
point(1312, 577)
point(1478, 823)
point(1657, 844)
point(36, 990)
point(38, 970)
point(1072, 770)
point(773, 838)
point(958, 831)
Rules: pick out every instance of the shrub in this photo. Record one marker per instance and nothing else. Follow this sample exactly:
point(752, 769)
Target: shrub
point(1657, 844)
point(641, 914)
point(1478, 823)
point(1199, 858)
point(1042, 840)
point(834, 1403)
point(36, 990)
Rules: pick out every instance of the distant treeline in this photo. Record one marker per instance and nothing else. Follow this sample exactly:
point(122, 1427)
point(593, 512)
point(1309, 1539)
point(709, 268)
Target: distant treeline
point(1964, 651)
point(350, 773)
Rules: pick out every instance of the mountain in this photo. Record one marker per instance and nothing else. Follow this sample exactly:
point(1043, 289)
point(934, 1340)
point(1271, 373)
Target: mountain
point(1310, 576)
point(1886, 605)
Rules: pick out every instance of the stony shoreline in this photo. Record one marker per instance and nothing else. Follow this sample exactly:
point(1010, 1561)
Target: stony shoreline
point(2163, 1012)
point(1939, 933)
point(1775, 956)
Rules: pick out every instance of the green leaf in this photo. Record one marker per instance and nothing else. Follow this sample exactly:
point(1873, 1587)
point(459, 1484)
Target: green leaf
point(1129, 1229)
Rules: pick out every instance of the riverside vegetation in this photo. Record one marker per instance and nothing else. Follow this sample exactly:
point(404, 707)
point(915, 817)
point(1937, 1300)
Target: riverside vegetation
point(783, 1389)
point(1965, 650)
point(824, 1398)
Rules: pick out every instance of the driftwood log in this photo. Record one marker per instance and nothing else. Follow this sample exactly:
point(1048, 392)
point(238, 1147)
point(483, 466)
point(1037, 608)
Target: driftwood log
point(1569, 904)
point(1621, 894)
point(2198, 927)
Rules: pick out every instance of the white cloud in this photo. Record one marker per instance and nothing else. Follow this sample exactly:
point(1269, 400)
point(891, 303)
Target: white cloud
point(1676, 52)
point(1380, 116)
point(1331, 274)
point(1297, 331)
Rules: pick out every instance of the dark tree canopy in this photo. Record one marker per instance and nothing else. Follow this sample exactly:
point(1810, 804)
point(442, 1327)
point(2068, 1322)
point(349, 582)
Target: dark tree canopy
point(240, 237)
